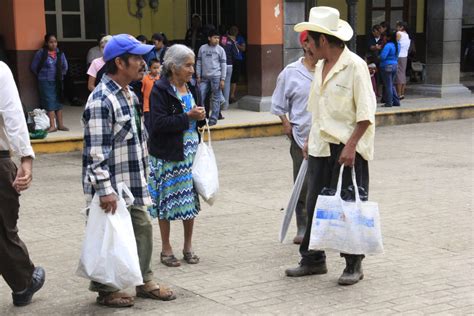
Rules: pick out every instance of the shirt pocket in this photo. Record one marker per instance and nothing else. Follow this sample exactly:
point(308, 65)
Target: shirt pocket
point(123, 129)
point(340, 104)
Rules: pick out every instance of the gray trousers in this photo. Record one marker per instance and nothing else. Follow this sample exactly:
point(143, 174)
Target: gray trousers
point(297, 157)
point(144, 237)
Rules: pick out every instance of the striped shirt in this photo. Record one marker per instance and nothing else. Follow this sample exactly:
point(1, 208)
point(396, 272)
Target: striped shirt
point(114, 143)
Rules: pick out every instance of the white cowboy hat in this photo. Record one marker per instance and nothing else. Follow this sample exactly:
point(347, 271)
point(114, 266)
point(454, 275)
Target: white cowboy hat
point(326, 20)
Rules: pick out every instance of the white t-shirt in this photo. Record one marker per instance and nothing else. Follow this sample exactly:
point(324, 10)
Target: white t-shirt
point(404, 44)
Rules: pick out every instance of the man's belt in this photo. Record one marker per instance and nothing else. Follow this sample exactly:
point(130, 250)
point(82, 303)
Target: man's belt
point(4, 154)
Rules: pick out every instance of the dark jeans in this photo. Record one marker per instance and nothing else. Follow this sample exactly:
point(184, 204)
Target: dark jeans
point(324, 172)
point(15, 264)
point(388, 74)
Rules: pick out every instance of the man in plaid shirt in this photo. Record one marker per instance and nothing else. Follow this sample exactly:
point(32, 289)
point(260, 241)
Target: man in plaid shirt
point(115, 151)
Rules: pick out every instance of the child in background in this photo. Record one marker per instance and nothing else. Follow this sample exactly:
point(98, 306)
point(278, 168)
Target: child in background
point(147, 84)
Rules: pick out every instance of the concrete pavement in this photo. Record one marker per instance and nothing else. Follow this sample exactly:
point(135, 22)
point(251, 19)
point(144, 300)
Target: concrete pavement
point(421, 177)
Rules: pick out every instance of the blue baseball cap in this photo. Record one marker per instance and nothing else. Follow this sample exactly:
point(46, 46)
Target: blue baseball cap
point(124, 43)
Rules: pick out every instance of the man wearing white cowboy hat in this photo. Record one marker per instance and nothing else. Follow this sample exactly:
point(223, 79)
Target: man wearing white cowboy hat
point(342, 103)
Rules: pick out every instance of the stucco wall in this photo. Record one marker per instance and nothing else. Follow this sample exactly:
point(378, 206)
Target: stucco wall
point(169, 19)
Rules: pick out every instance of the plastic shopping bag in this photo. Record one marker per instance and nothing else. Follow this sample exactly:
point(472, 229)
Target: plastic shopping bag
point(205, 174)
point(109, 251)
point(290, 209)
point(40, 118)
point(349, 227)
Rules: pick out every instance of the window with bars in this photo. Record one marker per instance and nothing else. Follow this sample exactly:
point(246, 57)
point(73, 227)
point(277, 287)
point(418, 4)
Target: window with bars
point(209, 10)
point(75, 20)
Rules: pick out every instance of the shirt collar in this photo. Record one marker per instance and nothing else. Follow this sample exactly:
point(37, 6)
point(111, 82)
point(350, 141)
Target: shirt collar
point(341, 63)
point(112, 85)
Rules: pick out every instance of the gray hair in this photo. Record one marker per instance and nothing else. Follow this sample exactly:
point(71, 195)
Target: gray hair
point(175, 57)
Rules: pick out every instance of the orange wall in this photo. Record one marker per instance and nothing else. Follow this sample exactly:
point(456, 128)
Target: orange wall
point(30, 25)
point(22, 24)
point(265, 22)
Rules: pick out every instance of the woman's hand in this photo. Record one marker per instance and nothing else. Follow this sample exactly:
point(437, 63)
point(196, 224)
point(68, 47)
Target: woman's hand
point(197, 113)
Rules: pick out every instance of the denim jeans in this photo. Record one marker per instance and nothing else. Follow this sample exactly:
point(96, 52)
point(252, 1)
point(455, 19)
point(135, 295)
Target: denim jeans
point(227, 86)
point(388, 74)
point(214, 85)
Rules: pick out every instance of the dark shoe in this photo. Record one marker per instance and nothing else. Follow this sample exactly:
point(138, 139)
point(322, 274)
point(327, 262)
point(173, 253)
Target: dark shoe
point(386, 106)
point(220, 116)
point(37, 280)
point(353, 272)
point(301, 270)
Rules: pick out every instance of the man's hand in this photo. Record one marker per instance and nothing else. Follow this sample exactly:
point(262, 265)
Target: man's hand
point(24, 175)
point(222, 83)
point(305, 150)
point(287, 129)
point(347, 156)
point(109, 203)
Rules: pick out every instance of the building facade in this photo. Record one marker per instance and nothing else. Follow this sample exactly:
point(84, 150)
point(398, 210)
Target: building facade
point(441, 29)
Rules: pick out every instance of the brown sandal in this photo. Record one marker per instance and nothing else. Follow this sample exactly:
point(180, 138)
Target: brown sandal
point(190, 257)
point(170, 260)
point(115, 299)
point(155, 292)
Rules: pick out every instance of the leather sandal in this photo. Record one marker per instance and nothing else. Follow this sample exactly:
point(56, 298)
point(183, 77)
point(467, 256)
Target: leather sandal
point(156, 292)
point(190, 257)
point(169, 260)
point(115, 299)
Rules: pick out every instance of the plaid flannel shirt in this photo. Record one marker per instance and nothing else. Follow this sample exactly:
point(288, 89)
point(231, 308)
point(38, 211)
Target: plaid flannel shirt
point(115, 148)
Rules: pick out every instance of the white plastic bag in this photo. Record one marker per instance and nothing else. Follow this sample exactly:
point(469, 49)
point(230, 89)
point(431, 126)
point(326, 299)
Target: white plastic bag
point(109, 251)
point(205, 174)
point(41, 119)
point(349, 227)
point(290, 209)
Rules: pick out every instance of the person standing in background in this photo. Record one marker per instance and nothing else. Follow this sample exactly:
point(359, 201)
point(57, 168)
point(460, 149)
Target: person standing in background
point(238, 61)
point(50, 65)
point(95, 52)
point(147, 84)
point(404, 41)
point(94, 72)
point(211, 69)
point(231, 52)
point(388, 69)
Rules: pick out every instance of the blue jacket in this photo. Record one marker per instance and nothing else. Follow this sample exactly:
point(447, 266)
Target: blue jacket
point(389, 56)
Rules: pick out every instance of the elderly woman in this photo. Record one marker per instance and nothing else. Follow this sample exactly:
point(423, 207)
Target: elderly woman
point(174, 119)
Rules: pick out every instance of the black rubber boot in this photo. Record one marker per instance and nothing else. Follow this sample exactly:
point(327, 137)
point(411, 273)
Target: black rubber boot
point(353, 272)
point(301, 270)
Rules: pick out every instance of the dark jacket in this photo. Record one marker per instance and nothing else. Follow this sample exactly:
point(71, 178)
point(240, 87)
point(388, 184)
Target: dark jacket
point(168, 121)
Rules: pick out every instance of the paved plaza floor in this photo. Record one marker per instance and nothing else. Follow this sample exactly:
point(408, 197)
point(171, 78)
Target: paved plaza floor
point(422, 177)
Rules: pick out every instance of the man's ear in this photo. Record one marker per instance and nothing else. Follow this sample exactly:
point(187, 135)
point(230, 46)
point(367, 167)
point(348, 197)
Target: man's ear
point(119, 63)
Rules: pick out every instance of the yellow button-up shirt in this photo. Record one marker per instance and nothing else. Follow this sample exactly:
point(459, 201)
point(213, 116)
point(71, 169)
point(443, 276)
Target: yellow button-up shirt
point(337, 104)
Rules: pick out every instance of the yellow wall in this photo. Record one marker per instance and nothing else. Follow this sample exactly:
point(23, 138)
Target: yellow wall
point(341, 5)
point(420, 16)
point(170, 18)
